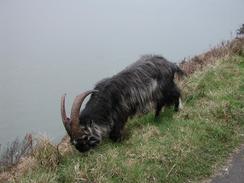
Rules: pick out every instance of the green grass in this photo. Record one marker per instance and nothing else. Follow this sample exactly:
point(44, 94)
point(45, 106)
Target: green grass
point(180, 147)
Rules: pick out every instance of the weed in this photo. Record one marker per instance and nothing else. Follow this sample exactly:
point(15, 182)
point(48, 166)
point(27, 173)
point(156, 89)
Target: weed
point(14, 151)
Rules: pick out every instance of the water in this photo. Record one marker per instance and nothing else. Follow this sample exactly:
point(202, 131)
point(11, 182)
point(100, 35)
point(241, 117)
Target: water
point(48, 48)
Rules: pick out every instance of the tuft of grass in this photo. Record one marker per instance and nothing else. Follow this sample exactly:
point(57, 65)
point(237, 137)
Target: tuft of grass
point(46, 153)
point(40, 175)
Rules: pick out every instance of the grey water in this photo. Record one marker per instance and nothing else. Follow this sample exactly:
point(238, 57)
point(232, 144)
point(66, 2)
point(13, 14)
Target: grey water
point(48, 48)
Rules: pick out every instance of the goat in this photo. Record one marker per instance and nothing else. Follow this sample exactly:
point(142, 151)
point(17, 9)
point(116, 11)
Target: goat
point(147, 82)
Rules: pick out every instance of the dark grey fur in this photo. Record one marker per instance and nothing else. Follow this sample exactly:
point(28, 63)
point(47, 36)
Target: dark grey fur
point(147, 82)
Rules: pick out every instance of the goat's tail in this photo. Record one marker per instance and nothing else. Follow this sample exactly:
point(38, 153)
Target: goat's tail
point(179, 71)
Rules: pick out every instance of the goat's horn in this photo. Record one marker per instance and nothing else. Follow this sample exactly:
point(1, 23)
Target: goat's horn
point(75, 111)
point(65, 119)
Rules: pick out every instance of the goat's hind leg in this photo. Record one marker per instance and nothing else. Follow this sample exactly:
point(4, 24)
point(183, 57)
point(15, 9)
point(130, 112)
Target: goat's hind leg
point(159, 105)
point(177, 100)
point(175, 96)
point(177, 104)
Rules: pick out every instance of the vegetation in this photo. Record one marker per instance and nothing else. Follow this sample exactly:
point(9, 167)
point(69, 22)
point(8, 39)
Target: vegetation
point(240, 31)
point(13, 153)
point(179, 147)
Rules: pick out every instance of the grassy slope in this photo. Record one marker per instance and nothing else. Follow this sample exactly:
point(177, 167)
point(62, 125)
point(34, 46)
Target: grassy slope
point(180, 147)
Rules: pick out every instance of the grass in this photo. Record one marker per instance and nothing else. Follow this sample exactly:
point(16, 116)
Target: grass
point(15, 151)
point(180, 147)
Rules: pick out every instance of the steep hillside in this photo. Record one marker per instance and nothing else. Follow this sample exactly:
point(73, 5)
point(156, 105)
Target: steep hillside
point(180, 147)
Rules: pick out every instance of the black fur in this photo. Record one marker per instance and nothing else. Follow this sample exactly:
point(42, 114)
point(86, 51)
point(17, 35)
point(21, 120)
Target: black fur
point(147, 83)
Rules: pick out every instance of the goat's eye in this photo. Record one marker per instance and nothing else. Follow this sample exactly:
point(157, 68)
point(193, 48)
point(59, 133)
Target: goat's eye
point(85, 138)
point(74, 142)
point(93, 141)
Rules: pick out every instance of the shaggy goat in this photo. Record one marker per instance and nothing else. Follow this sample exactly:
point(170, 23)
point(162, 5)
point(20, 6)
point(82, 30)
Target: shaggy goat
point(147, 82)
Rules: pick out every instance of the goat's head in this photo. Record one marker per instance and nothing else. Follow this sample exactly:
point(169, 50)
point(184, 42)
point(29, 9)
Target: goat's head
point(81, 137)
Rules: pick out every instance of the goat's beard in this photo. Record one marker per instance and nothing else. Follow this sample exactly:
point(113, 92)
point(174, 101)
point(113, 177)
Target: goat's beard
point(90, 137)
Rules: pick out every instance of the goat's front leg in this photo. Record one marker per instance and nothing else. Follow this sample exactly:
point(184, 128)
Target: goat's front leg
point(116, 133)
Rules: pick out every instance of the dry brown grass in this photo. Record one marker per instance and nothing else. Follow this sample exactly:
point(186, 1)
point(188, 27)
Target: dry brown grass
point(221, 51)
point(45, 154)
point(26, 164)
point(15, 151)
